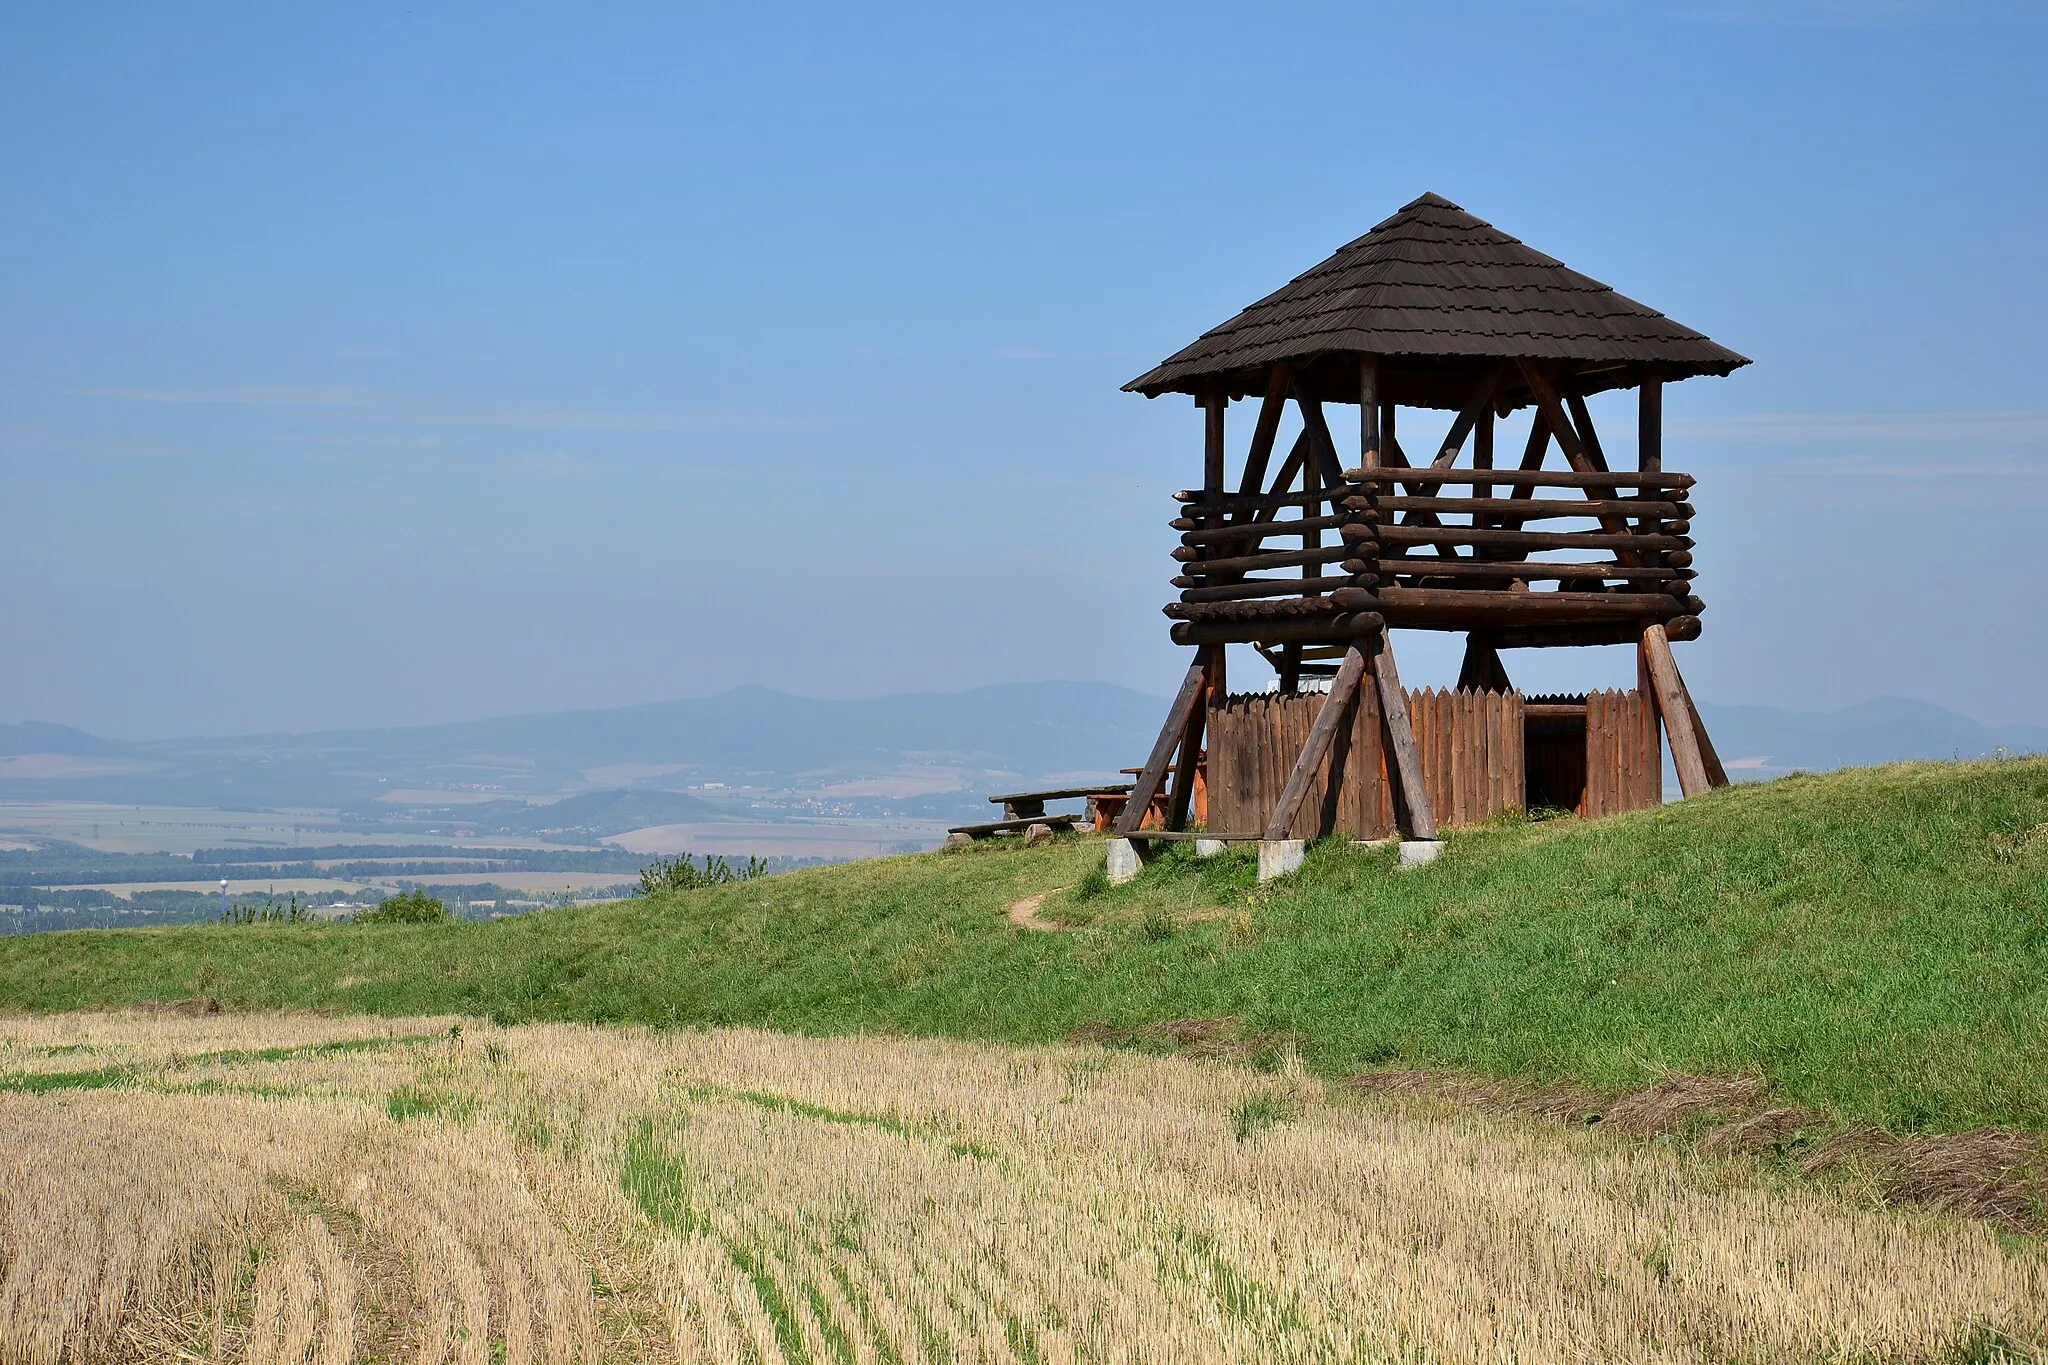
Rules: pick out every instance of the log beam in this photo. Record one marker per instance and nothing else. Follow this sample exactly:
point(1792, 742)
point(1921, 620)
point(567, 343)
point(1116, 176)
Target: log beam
point(1650, 424)
point(1187, 769)
point(1368, 412)
point(1278, 382)
point(1335, 711)
point(1482, 670)
point(1213, 405)
point(1675, 709)
point(1406, 769)
point(1154, 772)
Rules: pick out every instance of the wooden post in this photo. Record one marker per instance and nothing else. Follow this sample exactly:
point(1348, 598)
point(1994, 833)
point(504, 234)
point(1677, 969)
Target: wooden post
point(1213, 403)
point(1482, 454)
point(1336, 709)
point(1311, 482)
point(1406, 768)
point(1368, 412)
point(1177, 716)
point(1675, 710)
point(1650, 424)
point(1482, 670)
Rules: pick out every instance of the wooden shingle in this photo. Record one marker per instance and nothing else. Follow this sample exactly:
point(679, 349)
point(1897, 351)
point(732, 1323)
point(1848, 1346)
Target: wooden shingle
point(1437, 293)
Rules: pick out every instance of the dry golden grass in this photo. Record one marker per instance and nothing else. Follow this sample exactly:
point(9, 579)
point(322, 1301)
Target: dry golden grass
point(195, 1188)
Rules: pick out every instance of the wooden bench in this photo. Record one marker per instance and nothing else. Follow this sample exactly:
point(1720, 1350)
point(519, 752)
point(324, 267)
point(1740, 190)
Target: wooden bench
point(1018, 805)
point(1106, 808)
point(1016, 826)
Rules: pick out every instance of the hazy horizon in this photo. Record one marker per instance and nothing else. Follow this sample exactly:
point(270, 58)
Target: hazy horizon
point(393, 367)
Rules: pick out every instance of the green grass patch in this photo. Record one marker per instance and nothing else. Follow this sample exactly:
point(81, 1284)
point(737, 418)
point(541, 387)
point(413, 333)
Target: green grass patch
point(410, 1102)
point(887, 1123)
point(1873, 942)
point(43, 1082)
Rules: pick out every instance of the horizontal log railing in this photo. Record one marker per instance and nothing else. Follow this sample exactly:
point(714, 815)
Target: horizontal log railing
point(1257, 567)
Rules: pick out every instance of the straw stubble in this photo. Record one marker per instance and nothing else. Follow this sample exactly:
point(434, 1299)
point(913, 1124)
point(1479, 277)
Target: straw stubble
point(302, 1189)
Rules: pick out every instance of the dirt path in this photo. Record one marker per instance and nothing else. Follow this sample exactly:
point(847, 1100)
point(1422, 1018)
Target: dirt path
point(1024, 914)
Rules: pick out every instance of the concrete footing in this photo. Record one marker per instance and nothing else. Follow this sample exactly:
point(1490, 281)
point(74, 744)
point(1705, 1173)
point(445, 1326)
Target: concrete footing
point(1416, 852)
point(1209, 848)
point(1278, 857)
point(1124, 862)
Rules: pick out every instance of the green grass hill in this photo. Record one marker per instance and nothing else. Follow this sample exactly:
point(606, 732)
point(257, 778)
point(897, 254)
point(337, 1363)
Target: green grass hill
point(1873, 942)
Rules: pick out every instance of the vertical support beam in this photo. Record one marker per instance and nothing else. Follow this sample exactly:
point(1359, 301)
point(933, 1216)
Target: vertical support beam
point(1650, 425)
point(1154, 771)
point(1482, 670)
point(1213, 403)
point(1290, 668)
point(1336, 710)
point(1311, 483)
point(1368, 412)
point(1482, 452)
point(1406, 768)
point(1646, 694)
point(1676, 711)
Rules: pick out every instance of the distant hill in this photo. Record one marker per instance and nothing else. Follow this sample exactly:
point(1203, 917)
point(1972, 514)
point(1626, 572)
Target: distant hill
point(928, 754)
point(752, 735)
point(1769, 741)
point(41, 737)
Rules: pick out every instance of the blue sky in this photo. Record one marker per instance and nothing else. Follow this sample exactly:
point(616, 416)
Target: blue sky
point(371, 365)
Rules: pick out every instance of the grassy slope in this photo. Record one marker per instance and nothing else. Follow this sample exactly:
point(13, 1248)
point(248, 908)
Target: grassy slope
point(1874, 942)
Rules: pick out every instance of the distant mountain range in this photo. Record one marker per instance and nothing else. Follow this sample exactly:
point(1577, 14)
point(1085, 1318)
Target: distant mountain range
point(1768, 741)
point(931, 754)
point(855, 755)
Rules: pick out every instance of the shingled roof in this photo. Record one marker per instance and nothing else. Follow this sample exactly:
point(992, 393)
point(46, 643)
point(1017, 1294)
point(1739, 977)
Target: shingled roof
point(1435, 284)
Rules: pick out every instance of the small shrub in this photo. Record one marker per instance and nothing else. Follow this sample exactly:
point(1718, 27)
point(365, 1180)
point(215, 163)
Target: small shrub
point(665, 876)
point(408, 907)
point(270, 913)
point(1254, 1114)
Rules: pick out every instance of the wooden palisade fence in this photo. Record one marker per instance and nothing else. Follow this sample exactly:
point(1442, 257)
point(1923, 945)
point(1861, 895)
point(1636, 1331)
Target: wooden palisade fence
point(1310, 558)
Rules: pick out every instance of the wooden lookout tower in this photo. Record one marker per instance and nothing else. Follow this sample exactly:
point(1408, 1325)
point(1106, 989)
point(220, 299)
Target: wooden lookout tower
point(1309, 556)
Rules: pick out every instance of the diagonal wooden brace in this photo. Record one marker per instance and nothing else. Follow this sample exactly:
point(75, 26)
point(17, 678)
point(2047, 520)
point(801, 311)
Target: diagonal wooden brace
point(1406, 768)
point(1682, 726)
point(1154, 773)
point(1335, 711)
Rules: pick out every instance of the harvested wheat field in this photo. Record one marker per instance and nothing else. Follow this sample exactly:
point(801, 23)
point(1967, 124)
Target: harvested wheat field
point(328, 1189)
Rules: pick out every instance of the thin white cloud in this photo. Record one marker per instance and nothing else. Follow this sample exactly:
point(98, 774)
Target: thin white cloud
point(1824, 13)
point(1973, 430)
point(421, 412)
point(288, 396)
